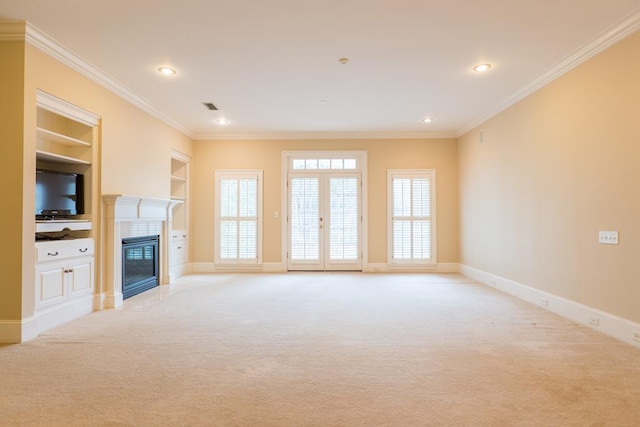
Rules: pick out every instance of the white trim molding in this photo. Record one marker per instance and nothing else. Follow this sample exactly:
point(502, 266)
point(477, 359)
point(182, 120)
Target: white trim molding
point(324, 135)
point(66, 109)
point(211, 268)
point(382, 267)
point(17, 331)
point(12, 31)
point(606, 323)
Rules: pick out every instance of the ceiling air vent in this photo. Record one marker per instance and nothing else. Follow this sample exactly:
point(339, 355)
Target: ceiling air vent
point(210, 106)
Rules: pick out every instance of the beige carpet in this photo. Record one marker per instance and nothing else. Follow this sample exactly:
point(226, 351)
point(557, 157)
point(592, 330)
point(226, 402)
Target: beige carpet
point(311, 349)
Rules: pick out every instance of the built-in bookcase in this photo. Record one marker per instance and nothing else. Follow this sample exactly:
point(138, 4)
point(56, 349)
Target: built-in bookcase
point(66, 141)
point(179, 236)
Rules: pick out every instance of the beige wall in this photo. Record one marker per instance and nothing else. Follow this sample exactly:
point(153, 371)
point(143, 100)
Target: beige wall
point(11, 178)
point(382, 155)
point(554, 170)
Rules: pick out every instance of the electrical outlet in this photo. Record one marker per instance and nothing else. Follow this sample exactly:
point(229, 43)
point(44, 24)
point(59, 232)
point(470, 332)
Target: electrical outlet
point(636, 336)
point(608, 237)
point(544, 301)
point(594, 321)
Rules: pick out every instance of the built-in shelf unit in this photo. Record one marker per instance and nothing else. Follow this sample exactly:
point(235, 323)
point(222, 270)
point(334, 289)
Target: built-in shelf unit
point(179, 233)
point(66, 138)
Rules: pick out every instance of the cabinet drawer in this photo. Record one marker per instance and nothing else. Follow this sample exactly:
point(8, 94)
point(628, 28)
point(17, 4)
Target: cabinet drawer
point(177, 235)
point(51, 251)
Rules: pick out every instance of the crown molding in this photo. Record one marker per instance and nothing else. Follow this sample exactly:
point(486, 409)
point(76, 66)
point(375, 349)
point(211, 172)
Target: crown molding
point(48, 45)
point(604, 40)
point(12, 31)
point(324, 135)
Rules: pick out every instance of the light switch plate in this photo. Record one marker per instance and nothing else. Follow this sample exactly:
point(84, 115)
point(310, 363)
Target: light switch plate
point(608, 237)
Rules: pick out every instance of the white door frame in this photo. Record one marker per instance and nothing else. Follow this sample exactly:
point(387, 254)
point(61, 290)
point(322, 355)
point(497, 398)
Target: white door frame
point(361, 161)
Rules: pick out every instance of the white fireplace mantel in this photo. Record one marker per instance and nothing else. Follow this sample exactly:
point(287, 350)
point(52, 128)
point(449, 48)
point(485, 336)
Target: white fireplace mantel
point(124, 207)
point(125, 216)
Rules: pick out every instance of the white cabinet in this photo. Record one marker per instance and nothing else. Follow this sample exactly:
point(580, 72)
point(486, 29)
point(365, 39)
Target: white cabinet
point(67, 141)
point(64, 280)
point(179, 248)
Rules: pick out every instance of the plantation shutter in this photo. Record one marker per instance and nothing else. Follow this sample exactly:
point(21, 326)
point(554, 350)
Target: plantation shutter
point(305, 244)
point(238, 217)
point(343, 218)
point(411, 217)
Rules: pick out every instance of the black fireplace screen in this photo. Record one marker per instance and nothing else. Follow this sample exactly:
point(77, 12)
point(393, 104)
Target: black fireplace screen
point(139, 264)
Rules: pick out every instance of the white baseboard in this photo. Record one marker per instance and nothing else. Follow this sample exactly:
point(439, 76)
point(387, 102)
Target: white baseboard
point(278, 267)
point(55, 316)
point(608, 324)
point(99, 301)
point(17, 331)
point(210, 267)
point(177, 271)
point(113, 301)
point(381, 267)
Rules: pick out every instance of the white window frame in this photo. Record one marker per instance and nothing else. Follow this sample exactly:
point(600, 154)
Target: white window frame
point(409, 174)
point(238, 174)
point(287, 169)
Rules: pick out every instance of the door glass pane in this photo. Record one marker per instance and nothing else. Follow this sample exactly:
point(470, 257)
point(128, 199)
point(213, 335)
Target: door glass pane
point(349, 163)
point(298, 163)
point(324, 163)
point(312, 163)
point(304, 219)
point(343, 220)
point(336, 163)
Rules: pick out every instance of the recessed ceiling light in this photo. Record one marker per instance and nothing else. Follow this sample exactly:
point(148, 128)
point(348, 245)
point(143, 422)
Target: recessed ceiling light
point(427, 119)
point(481, 68)
point(167, 71)
point(222, 122)
point(343, 61)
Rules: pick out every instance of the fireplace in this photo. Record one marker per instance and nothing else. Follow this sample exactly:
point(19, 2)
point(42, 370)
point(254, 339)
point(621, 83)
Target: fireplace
point(140, 264)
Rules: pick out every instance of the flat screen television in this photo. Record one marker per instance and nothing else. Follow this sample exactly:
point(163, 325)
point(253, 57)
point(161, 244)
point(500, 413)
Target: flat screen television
point(59, 194)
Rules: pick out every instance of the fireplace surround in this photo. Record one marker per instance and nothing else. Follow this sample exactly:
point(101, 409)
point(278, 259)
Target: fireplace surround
point(126, 217)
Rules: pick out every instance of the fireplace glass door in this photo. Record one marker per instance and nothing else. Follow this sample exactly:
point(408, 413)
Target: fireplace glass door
point(139, 264)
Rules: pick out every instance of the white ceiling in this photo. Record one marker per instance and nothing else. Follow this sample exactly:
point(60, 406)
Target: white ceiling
point(267, 64)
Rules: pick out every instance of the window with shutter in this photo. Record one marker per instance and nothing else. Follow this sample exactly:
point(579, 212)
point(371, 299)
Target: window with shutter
point(411, 195)
point(238, 219)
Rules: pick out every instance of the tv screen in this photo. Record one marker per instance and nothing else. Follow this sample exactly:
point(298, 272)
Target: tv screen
point(58, 194)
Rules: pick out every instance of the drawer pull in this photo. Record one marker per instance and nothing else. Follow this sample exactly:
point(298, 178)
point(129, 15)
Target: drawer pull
point(53, 254)
point(184, 236)
point(179, 247)
point(83, 250)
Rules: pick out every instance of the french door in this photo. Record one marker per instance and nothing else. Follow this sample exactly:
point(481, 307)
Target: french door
point(325, 221)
